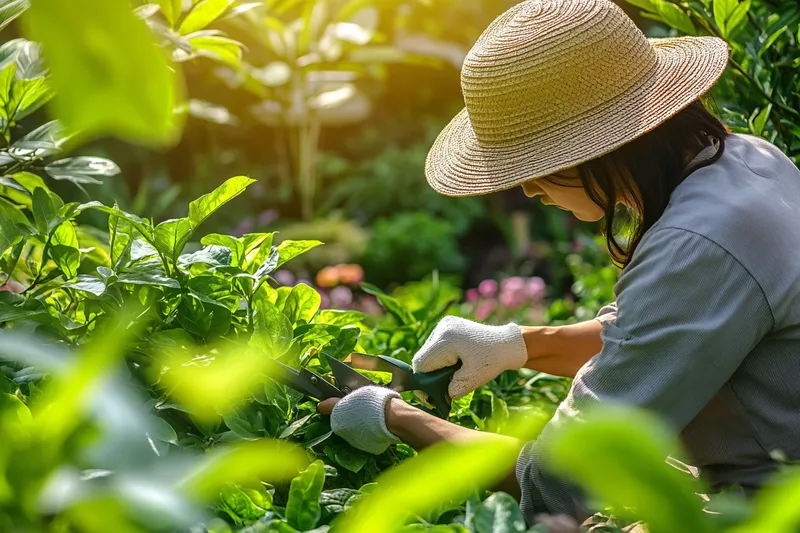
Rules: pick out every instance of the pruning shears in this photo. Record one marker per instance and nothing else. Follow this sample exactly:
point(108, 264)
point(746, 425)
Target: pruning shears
point(433, 384)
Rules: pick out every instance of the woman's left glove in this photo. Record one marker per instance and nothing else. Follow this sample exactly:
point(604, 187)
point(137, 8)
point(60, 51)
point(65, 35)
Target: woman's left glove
point(359, 418)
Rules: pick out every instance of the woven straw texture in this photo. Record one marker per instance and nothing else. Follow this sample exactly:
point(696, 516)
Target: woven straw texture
point(554, 83)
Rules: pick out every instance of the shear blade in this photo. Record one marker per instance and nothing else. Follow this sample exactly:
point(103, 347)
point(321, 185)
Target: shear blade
point(346, 377)
point(402, 377)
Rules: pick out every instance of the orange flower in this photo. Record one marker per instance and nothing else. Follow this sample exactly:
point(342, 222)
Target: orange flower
point(351, 274)
point(328, 277)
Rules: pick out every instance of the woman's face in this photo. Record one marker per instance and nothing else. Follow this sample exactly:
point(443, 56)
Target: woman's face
point(569, 198)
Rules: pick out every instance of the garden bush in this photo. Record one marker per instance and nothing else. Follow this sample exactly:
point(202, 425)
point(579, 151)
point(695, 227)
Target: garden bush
point(135, 389)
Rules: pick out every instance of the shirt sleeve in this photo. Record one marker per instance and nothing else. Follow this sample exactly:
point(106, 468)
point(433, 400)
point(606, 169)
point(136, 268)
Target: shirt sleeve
point(688, 315)
point(608, 313)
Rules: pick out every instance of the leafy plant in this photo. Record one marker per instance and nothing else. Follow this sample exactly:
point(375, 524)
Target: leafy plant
point(759, 93)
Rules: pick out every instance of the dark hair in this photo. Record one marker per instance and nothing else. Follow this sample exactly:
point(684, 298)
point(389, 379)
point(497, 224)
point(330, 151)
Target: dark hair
point(646, 171)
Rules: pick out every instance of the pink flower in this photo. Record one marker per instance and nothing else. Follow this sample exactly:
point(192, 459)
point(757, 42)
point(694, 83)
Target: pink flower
point(512, 284)
point(510, 299)
point(12, 286)
point(535, 315)
point(341, 296)
point(325, 302)
point(371, 306)
point(267, 217)
point(487, 288)
point(473, 295)
point(245, 226)
point(535, 288)
point(484, 310)
point(284, 277)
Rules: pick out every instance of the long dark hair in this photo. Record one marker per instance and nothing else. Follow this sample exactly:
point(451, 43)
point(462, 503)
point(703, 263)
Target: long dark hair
point(645, 171)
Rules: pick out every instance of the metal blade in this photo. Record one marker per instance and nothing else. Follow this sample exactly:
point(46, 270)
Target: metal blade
point(347, 379)
point(303, 381)
point(402, 375)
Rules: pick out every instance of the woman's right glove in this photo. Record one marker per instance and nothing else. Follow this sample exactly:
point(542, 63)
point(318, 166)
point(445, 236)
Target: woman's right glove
point(485, 352)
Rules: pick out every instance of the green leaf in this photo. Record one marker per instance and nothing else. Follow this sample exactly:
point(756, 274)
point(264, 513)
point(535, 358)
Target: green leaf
point(152, 276)
point(246, 422)
point(301, 304)
point(44, 209)
point(46, 140)
point(136, 222)
point(288, 250)
point(629, 447)
point(90, 284)
point(303, 509)
point(245, 505)
point(171, 237)
point(730, 15)
point(29, 60)
point(11, 9)
point(257, 247)
point(203, 207)
point(82, 169)
point(203, 14)
point(499, 513)
point(675, 17)
point(272, 332)
point(390, 304)
point(204, 316)
point(233, 244)
point(222, 49)
point(64, 249)
point(340, 318)
point(771, 40)
point(647, 5)
point(14, 226)
point(27, 96)
point(758, 124)
point(12, 404)
point(29, 181)
point(6, 81)
point(292, 428)
point(335, 501)
point(171, 10)
point(344, 344)
point(345, 455)
point(114, 79)
point(215, 256)
point(269, 264)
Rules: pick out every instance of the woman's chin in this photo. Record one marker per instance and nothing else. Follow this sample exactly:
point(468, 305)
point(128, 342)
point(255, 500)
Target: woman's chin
point(587, 217)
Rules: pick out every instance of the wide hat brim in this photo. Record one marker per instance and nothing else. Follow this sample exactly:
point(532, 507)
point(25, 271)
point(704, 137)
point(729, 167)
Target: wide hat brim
point(685, 68)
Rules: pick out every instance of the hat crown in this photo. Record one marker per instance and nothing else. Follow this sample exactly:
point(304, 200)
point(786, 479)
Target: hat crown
point(544, 62)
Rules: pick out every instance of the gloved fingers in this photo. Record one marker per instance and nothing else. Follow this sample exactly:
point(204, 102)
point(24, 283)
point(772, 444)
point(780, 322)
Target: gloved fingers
point(464, 381)
point(434, 357)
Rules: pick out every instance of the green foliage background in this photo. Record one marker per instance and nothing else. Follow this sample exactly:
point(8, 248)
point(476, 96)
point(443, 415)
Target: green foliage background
point(135, 331)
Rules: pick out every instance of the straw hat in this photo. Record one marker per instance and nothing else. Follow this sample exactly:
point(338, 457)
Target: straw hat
point(553, 83)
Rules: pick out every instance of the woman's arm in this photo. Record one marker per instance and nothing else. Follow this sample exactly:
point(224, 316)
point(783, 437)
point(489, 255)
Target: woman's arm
point(562, 350)
point(419, 430)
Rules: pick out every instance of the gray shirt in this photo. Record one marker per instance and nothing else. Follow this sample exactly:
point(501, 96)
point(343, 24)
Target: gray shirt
point(706, 328)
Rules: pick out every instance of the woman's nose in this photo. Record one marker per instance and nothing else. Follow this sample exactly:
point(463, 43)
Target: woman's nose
point(531, 190)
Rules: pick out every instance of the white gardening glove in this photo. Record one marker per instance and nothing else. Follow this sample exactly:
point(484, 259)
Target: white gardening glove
point(485, 351)
point(359, 418)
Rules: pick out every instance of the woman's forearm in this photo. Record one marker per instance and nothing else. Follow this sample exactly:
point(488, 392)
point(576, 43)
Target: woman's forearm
point(419, 430)
point(562, 350)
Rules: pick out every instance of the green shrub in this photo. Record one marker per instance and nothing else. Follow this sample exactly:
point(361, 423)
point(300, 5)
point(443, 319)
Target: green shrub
point(409, 246)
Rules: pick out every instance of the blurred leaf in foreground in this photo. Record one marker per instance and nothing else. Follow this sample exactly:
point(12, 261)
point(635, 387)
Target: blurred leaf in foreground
point(114, 79)
point(619, 457)
point(444, 472)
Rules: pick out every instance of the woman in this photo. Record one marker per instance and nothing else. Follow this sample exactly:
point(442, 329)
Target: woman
point(570, 101)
